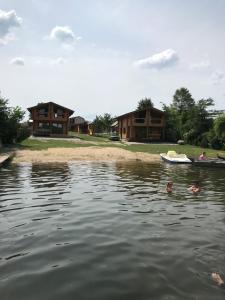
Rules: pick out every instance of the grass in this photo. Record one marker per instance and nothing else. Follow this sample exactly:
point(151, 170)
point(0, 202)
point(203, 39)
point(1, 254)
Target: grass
point(189, 150)
point(89, 138)
point(192, 151)
point(32, 144)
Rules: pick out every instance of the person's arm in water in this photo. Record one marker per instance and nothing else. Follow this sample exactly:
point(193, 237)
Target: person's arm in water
point(217, 278)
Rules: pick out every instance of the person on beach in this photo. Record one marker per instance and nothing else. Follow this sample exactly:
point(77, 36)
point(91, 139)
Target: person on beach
point(169, 187)
point(217, 279)
point(202, 156)
point(195, 188)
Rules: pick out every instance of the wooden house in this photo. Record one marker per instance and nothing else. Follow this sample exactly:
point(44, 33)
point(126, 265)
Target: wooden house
point(79, 124)
point(142, 126)
point(50, 119)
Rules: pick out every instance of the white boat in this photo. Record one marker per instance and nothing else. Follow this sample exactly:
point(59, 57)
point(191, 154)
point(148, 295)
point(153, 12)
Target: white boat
point(175, 158)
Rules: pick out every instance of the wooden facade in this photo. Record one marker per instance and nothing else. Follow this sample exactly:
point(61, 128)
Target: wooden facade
point(79, 124)
point(142, 126)
point(50, 119)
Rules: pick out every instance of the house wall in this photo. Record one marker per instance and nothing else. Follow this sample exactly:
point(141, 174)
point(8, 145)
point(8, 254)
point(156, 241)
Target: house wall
point(50, 120)
point(142, 126)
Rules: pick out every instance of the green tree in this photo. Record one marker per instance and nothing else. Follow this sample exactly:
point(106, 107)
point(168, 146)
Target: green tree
point(187, 119)
point(219, 127)
point(173, 126)
point(103, 123)
point(182, 100)
point(145, 104)
point(10, 118)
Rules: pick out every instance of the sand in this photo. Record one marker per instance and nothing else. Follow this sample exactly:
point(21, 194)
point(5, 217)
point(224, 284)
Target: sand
point(82, 154)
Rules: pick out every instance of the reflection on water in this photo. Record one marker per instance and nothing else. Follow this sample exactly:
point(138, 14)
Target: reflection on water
point(110, 231)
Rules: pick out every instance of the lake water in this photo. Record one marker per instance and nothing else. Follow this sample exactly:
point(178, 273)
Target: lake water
point(109, 231)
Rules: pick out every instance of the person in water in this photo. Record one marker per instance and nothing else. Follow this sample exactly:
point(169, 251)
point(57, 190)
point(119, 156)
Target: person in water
point(169, 187)
point(202, 156)
point(195, 188)
point(217, 278)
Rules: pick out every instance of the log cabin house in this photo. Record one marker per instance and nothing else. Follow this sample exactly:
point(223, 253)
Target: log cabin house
point(50, 119)
point(79, 124)
point(142, 126)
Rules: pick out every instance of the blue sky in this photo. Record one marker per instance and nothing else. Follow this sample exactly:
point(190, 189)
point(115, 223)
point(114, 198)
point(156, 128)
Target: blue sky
point(97, 56)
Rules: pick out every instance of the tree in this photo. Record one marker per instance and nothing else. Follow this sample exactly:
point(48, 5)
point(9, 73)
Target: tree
point(10, 118)
point(173, 126)
point(182, 100)
point(187, 119)
point(103, 123)
point(219, 127)
point(145, 104)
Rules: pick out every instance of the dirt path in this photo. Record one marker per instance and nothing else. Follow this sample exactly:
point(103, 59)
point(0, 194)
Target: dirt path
point(82, 153)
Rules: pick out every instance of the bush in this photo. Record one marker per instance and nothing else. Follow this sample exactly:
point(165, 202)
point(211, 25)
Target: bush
point(171, 135)
point(204, 143)
point(23, 132)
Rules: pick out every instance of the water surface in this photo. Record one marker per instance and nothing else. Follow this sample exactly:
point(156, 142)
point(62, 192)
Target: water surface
point(110, 231)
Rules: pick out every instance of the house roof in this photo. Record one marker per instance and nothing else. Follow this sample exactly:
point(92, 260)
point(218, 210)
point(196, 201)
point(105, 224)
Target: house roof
point(134, 111)
point(45, 103)
point(78, 120)
point(114, 124)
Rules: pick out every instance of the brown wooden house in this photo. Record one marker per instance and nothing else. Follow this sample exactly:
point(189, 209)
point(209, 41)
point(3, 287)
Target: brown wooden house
point(142, 126)
point(50, 119)
point(79, 124)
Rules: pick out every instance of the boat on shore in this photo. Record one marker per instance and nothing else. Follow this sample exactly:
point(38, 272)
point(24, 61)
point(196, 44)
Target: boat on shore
point(175, 158)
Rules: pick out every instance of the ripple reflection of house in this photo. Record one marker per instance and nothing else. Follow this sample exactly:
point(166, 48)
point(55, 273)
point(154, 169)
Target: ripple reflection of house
point(79, 124)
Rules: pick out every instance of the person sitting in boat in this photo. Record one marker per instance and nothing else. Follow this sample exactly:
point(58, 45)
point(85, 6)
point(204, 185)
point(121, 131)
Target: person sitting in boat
point(217, 278)
point(195, 188)
point(202, 156)
point(169, 187)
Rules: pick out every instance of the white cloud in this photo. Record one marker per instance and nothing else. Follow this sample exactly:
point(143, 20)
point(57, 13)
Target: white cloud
point(58, 61)
point(18, 61)
point(218, 77)
point(204, 64)
point(8, 21)
point(164, 59)
point(63, 34)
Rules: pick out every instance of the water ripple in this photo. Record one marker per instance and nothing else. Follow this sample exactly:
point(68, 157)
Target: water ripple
point(110, 231)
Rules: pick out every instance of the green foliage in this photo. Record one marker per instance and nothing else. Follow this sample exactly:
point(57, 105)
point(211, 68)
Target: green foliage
point(182, 100)
point(9, 121)
point(23, 132)
point(145, 104)
point(219, 127)
point(172, 118)
point(103, 123)
point(187, 119)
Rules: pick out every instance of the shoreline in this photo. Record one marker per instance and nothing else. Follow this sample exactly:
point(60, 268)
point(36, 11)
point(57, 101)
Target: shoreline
point(93, 153)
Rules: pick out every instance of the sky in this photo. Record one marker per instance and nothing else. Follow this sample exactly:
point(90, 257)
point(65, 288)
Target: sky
point(103, 56)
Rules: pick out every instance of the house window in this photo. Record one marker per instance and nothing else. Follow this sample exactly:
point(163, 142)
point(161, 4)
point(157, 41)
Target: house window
point(43, 125)
point(57, 128)
point(124, 130)
point(57, 125)
point(43, 112)
point(58, 113)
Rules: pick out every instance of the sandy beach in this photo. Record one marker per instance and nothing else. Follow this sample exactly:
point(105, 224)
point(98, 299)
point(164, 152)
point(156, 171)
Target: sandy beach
point(82, 153)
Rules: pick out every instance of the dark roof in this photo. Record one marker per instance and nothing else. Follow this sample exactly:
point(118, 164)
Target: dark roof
point(46, 103)
point(78, 120)
point(135, 111)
